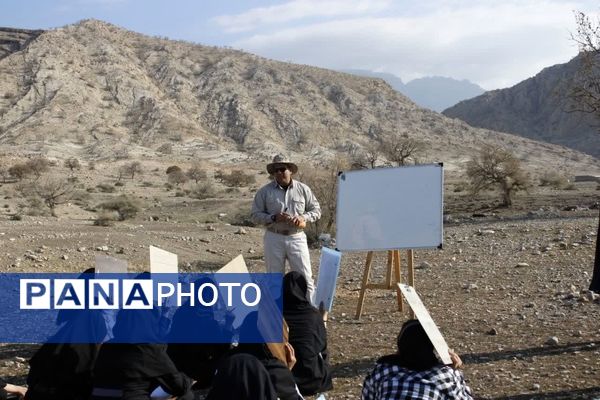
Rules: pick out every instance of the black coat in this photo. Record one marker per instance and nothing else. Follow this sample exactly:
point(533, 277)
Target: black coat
point(308, 337)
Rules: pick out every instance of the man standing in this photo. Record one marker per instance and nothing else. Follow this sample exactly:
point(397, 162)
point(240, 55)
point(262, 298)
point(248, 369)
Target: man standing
point(284, 206)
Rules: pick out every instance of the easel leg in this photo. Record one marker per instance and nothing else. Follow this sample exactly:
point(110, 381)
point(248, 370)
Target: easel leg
point(365, 282)
point(398, 279)
point(411, 275)
point(388, 275)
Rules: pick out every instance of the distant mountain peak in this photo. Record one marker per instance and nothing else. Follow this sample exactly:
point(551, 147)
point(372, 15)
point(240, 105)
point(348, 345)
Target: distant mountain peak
point(433, 92)
point(536, 108)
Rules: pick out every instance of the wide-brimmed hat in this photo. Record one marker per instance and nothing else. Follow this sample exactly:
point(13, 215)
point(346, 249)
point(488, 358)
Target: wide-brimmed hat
point(280, 159)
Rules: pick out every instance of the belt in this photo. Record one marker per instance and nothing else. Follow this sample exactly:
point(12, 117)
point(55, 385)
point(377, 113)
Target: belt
point(285, 232)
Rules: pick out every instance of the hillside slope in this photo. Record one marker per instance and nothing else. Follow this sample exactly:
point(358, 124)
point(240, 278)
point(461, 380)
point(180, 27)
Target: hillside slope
point(95, 90)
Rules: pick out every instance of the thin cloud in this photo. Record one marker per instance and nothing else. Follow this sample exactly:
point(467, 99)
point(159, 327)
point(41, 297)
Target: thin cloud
point(493, 45)
point(296, 10)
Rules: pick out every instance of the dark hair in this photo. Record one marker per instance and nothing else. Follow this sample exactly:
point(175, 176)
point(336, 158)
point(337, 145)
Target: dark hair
point(415, 350)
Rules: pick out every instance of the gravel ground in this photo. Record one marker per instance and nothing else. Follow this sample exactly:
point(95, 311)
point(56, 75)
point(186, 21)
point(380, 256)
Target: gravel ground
point(508, 292)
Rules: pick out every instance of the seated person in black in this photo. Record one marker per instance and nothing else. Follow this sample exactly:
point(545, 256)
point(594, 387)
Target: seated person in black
point(132, 371)
point(197, 360)
point(62, 368)
point(307, 335)
point(242, 377)
point(279, 372)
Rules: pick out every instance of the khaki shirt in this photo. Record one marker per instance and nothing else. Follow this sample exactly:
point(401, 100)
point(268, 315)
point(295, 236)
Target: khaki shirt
point(272, 199)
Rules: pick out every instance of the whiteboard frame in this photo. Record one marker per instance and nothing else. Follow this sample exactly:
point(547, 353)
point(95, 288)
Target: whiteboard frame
point(392, 203)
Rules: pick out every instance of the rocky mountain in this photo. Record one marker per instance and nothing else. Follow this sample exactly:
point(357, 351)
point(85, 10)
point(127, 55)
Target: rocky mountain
point(438, 93)
point(537, 108)
point(433, 92)
point(97, 91)
point(12, 40)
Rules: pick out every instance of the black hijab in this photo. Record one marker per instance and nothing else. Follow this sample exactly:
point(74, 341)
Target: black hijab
point(307, 335)
point(415, 350)
point(242, 377)
point(295, 291)
point(135, 360)
point(63, 370)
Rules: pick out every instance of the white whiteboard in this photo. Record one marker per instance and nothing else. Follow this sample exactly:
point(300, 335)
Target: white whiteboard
point(390, 208)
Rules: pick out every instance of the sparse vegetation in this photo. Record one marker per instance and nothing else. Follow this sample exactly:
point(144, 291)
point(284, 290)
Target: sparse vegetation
point(496, 167)
point(196, 173)
point(204, 190)
point(125, 206)
point(236, 178)
point(323, 183)
point(72, 164)
point(51, 191)
point(554, 179)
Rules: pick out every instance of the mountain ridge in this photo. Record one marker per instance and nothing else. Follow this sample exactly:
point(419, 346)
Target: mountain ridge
point(536, 108)
point(95, 90)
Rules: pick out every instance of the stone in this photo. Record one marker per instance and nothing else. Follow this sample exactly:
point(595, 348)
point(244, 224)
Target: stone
point(535, 386)
point(521, 265)
point(552, 341)
point(492, 332)
point(81, 249)
point(102, 248)
point(424, 265)
point(211, 228)
point(241, 231)
point(64, 257)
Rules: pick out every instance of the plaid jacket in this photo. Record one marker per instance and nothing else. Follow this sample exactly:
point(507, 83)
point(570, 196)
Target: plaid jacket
point(392, 382)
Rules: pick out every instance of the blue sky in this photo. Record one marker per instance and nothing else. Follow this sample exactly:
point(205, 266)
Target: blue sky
point(492, 43)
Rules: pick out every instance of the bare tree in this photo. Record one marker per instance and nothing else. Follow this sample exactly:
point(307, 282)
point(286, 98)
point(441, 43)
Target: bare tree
point(585, 94)
point(323, 182)
point(72, 163)
point(585, 85)
point(495, 166)
point(177, 177)
point(132, 168)
point(38, 166)
point(400, 149)
point(196, 172)
point(367, 157)
point(52, 191)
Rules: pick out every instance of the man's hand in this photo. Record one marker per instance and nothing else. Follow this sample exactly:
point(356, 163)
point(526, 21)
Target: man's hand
point(299, 221)
point(283, 217)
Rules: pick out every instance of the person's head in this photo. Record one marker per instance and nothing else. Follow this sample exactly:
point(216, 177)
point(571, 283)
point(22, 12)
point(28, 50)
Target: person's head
point(415, 350)
point(295, 290)
point(282, 170)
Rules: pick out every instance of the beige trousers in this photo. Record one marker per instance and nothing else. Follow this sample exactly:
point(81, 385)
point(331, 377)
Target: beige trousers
point(292, 248)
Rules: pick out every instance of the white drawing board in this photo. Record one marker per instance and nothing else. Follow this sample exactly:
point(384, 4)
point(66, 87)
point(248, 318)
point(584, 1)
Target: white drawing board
point(329, 269)
point(390, 208)
point(431, 329)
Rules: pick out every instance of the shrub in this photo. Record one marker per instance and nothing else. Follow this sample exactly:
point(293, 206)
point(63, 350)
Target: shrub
point(106, 188)
point(126, 207)
point(105, 218)
point(554, 180)
point(203, 191)
point(173, 168)
point(238, 178)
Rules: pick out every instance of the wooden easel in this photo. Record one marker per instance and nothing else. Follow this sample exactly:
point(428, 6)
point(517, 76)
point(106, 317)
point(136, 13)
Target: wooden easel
point(393, 267)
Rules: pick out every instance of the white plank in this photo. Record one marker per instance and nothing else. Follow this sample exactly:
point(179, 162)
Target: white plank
point(434, 334)
point(162, 262)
